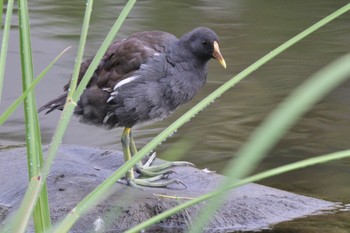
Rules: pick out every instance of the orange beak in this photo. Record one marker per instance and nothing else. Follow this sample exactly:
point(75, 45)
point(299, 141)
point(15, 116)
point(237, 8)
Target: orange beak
point(217, 54)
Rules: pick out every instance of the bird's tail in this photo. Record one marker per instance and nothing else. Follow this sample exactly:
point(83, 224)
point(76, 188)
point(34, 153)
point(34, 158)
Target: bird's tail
point(57, 103)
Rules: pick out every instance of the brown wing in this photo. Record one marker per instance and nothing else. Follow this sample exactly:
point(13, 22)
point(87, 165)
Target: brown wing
point(124, 57)
point(121, 60)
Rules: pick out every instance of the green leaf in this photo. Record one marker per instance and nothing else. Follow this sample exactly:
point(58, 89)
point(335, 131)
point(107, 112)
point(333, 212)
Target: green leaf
point(98, 194)
point(41, 214)
point(266, 136)
point(5, 40)
point(183, 119)
point(20, 220)
point(234, 184)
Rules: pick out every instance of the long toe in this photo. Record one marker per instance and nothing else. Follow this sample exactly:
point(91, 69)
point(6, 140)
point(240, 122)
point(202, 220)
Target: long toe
point(150, 160)
point(161, 167)
point(145, 172)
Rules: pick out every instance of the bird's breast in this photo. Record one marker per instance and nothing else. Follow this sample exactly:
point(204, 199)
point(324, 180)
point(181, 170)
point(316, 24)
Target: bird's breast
point(181, 87)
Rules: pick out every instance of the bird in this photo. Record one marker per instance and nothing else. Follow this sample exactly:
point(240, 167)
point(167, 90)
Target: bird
point(144, 77)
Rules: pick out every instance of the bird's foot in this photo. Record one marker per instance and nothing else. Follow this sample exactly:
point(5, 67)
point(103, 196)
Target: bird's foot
point(155, 182)
point(148, 170)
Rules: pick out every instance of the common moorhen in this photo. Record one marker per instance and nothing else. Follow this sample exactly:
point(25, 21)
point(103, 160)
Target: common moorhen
point(144, 78)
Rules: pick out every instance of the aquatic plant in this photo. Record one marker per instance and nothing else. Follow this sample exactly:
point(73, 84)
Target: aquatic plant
point(279, 121)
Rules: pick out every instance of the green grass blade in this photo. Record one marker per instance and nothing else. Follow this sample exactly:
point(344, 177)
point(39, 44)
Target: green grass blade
point(5, 115)
point(254, 178)
point(41, 214)
point(108, 40)
point(81, 48)
point(90, 200)
point(66, 114)
point(183, 119)
point(32, 191)
point(277, 123)
point(70, 104)
point(42, 219)
point(218, 92)
point(19, 222)
point(298, 165)
point(5, 40)
point(1, 9)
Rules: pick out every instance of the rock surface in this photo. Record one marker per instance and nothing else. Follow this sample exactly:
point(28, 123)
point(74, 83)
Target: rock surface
point(77, 170)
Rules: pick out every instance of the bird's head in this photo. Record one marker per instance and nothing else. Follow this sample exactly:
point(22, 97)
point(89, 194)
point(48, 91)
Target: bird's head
point(204, 44)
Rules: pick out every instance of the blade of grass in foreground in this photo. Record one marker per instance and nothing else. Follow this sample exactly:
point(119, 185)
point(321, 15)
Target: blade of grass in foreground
point(275, 126)
point(90, 200)
point(87, 202)
point(41, 213)
point(27, 207)
point(5, 41)
point(68, 110)
point(20, 222)
point(1, 9)
point(69, 106)
point(265, 136)
point(254, 178)
point(80, 53)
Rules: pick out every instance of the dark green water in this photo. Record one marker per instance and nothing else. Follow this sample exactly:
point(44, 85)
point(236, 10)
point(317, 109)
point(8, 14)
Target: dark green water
point(248, 30)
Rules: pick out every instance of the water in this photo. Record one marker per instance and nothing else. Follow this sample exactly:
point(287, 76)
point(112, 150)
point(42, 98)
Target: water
point(248, 30)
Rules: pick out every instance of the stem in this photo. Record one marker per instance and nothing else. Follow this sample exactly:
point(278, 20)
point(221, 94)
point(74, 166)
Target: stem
point(41, 212)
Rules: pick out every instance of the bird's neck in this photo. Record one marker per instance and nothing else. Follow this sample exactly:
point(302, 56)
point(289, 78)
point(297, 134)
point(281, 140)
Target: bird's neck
point(181, 53)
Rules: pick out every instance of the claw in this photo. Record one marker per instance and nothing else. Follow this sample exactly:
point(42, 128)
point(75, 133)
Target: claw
point(180, 182)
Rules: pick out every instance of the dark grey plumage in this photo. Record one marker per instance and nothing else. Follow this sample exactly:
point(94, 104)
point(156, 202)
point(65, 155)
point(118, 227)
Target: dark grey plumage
point(144, 77)
point(141, 78)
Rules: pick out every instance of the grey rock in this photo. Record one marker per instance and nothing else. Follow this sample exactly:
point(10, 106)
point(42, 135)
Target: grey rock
point(77, 170)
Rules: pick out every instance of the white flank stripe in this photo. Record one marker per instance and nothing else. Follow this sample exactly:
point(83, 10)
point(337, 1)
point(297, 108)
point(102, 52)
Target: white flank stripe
point(107, 89)
point(110, 98)
point(125, 81)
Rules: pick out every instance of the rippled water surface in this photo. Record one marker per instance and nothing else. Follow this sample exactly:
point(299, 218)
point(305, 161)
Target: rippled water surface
point(248, 30)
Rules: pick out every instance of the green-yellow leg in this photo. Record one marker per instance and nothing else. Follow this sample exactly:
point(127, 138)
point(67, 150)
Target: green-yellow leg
point(129, 148)
point(126, 152)
point(134, 149)
point(155, 170)
point(126, 144)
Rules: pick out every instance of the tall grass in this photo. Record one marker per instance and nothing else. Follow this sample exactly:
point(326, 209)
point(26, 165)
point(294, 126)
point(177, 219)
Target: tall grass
point(5, 40)
point(41, 213)
point(37, 182)
point(1, 9)
point(42, 217)
point(250, 154)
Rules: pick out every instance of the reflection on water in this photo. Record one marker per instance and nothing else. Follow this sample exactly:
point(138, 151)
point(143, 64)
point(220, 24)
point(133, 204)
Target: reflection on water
point(247, 30)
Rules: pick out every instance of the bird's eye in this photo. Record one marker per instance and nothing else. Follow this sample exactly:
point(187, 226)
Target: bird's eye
point(204, 42)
